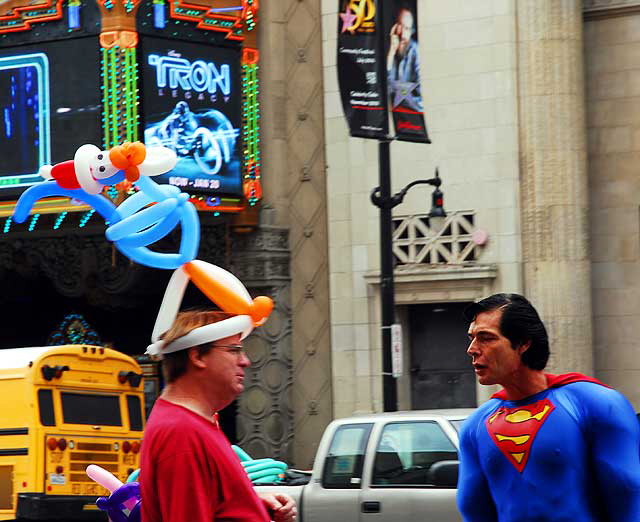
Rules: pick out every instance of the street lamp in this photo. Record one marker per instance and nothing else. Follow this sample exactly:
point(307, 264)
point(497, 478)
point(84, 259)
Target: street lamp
point(381, 197)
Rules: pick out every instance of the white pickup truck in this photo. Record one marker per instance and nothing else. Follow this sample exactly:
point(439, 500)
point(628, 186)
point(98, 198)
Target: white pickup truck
point(400, 466)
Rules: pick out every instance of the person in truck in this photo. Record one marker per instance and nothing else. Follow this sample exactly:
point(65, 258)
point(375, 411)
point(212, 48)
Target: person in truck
point(189, 472)
point(546, 447)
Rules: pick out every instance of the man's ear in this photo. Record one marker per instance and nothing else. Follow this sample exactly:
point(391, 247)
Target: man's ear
point(195, 358)
point(523, 347)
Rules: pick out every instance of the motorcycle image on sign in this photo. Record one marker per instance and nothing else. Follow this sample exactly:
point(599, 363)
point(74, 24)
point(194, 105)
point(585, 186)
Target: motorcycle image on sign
point(208, 137)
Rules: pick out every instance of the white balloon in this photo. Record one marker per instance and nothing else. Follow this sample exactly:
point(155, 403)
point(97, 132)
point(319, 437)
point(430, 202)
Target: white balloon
point(238, 324)
point(159, 160)
point(83, 159)
point(170, 303)
point(224, 277)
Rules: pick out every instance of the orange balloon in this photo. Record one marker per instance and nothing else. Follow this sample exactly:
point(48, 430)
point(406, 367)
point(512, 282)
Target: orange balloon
point(260, 308)
point(127, 157)
point(224, 297)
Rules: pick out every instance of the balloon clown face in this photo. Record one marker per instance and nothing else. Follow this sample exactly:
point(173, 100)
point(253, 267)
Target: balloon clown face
point(90, 170)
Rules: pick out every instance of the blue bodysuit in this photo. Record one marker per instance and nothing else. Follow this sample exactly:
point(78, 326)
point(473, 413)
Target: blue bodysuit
point(568, 453)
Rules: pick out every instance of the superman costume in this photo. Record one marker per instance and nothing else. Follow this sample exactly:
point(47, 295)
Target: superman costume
point(568, 453)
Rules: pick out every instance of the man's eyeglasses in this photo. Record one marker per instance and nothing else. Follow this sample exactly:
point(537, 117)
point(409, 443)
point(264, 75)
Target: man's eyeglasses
point(235, 349)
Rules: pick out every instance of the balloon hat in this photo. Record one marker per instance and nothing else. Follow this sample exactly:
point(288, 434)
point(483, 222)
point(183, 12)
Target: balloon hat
point(224, 289)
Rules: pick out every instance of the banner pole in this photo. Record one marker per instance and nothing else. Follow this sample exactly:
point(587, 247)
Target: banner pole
point(387, 297)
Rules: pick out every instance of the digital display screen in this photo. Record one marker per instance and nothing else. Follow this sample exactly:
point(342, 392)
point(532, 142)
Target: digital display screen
point(24, 117)
point(50, 104)
point(191, 103)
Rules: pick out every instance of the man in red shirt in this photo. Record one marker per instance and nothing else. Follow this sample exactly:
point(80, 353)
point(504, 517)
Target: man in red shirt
point(189, 472)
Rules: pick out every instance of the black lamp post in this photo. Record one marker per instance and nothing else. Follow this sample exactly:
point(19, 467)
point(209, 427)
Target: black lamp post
point(381, 197)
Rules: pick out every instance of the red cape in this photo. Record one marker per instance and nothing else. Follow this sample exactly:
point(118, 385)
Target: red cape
point(555, 381)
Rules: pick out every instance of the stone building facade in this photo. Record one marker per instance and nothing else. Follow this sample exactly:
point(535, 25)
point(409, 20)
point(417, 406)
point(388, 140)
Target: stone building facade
point(531, 108)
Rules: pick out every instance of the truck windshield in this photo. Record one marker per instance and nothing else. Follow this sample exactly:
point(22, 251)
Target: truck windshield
point(86, 408)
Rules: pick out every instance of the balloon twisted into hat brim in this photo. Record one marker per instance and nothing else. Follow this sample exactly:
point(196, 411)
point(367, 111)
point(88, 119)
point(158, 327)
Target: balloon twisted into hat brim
point(144, 218)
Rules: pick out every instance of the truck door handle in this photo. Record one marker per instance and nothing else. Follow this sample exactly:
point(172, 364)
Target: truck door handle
point(371, 507)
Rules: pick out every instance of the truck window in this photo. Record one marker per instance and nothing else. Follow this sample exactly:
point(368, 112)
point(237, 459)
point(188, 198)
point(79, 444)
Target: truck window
point(87, 408)
point(135, 413)
point(343, 465)
point(45, 405)
point(407, 450)
point(457, 424)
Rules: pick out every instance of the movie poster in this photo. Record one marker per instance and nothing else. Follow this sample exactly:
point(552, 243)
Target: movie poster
point(360, 71)
point(191, 103)
point(402, 60)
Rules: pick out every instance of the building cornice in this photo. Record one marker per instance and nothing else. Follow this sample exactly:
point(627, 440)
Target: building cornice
point(597, 9)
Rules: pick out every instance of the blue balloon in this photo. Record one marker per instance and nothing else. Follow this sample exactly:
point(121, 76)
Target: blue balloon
point(134, 203)
point(141, 225)
point(114, 504)
point(50, 188)
point(141, 220)
point(134, 476)
point(154, 233)
point(190, 233)
point(116, 178)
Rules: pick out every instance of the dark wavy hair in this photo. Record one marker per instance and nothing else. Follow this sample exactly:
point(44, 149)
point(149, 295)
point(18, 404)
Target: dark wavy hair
point(519, 323)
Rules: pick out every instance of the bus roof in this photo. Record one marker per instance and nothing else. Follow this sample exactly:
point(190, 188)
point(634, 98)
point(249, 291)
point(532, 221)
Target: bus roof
point(21, 357)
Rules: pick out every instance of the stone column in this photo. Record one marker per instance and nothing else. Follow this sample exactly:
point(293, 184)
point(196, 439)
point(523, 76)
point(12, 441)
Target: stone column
point(553, 174)
point(295, 193)
point(265, 417)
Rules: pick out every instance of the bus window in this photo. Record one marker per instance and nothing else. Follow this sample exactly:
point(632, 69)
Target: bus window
point(135, 413)
point(45, 405)
point(85, 408)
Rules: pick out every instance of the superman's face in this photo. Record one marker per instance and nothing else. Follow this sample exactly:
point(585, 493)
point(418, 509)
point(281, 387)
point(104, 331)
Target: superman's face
point(492, 355)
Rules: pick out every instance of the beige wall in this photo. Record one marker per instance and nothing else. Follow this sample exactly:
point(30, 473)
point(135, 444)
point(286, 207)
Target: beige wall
point(612, 48)
point(468, 72)
point(469, 66)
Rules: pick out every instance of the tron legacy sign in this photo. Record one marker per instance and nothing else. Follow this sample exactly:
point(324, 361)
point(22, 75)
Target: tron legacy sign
point(175, 72)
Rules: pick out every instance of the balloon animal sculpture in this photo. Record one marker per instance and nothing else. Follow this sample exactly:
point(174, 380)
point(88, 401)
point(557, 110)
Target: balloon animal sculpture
point(142, 219)
point(136, 223)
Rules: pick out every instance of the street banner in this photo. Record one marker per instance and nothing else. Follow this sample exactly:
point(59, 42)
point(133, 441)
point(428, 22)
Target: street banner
point(361, 71)
point(402, 63)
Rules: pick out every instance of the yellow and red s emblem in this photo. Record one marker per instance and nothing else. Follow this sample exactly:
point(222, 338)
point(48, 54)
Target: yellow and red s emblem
point(513, 430)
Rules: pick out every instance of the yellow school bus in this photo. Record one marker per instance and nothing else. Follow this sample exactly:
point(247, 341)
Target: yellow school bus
point(63, 408)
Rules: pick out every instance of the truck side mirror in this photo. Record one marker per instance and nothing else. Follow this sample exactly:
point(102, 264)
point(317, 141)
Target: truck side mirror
point(444, 474)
